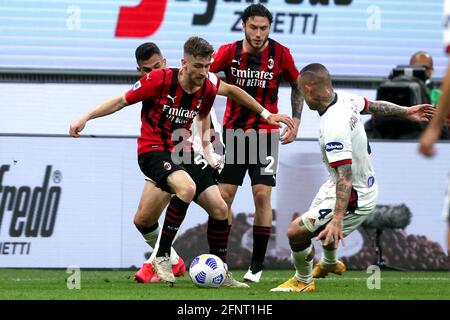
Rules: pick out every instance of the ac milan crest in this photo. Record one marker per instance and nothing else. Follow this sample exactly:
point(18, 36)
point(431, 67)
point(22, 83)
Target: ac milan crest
point(167, 165)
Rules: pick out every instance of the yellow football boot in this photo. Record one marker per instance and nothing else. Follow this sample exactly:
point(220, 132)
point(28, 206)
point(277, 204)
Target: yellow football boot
point(294, 285)
point(321, 271)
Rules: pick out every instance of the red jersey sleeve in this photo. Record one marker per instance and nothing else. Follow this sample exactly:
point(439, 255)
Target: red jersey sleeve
point(220, 59)
point(145, 88)
point(290, 71)
point(366, 106)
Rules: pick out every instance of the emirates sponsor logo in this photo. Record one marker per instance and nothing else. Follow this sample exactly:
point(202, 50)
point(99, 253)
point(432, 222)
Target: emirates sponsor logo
point(251, 78)
point(251, 74)
point(180, 115)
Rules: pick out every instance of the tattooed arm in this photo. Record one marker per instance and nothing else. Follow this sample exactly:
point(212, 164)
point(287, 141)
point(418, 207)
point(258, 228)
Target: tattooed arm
point(297, 102)
point(385, 108)
point(420, 112)
point(344, 185)
point(334, 230)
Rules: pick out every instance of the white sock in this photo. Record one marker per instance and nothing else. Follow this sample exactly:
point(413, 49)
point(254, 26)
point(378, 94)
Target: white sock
point(303, 266)
point(174, 257)
point(328, 257)
point(152, 237)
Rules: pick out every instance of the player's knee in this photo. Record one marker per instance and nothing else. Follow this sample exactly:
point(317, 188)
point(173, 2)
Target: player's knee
point(220, 210)
point(187, 192)
point(261, 198)
point(227, 196)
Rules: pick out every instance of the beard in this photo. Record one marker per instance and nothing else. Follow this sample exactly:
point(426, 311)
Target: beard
point(198, 81)
point(256, 46)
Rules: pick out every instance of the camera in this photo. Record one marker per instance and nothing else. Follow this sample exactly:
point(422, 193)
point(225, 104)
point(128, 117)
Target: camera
point(406, 86)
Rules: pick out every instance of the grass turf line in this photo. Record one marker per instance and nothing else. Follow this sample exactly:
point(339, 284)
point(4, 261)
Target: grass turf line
point(42, 284)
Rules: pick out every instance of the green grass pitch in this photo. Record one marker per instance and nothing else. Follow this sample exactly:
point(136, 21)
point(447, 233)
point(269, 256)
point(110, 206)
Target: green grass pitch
point(43, 284)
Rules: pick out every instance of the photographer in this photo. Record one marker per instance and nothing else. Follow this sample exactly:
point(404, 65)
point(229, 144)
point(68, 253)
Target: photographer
point(424, 59)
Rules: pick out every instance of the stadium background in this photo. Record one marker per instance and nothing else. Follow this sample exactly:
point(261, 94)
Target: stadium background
point(60, 58)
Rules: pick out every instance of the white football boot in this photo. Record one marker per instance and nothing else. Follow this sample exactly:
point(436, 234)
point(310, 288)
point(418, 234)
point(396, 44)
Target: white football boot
point(252, 277)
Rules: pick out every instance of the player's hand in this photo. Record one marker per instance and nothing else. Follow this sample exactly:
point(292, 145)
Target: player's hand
point(420, 112)
point(288, 135)
point(275, 119)
point(216, 161)
point(76, 127)
point(427, 140)
point(333, 233)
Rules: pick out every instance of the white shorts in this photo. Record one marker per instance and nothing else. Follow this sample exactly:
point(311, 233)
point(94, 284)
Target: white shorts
point(322, 209)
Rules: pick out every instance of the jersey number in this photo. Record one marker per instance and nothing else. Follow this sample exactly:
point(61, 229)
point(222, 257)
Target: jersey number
point(323, 213)
point(269, 168)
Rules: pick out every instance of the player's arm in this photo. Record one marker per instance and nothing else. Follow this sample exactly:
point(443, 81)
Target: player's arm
point(433, 130)
point(108, 107)
point(208, 152)
point(297, 102)
point(206, 135)
point(334, 229)
point(420, 112)
point(243, 98)
point(344, 183)
point(206, 126)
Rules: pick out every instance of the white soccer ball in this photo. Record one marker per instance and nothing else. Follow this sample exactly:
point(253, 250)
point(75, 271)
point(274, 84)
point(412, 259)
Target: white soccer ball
point(207, 270)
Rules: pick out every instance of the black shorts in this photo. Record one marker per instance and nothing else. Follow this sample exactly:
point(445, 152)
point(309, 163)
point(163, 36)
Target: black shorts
point(257, 154)
point(203, 176)
point(157, 165)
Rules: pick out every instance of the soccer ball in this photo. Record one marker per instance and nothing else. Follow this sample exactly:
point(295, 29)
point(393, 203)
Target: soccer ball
point(207, 270)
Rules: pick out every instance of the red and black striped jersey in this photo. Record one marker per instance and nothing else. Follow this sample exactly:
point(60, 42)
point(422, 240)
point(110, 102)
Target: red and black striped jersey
point(166, 107)
point(259, 74)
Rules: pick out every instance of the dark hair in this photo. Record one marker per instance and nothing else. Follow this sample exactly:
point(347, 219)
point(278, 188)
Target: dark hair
point(256, 10)
point(197, 46)
point(315, 68)
point(315, 73)
point(146, 50)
